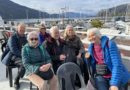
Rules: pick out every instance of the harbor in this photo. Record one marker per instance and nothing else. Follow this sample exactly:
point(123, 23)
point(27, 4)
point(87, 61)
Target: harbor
point(112, 18)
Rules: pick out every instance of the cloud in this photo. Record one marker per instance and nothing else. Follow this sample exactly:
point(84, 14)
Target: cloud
point(53, 6)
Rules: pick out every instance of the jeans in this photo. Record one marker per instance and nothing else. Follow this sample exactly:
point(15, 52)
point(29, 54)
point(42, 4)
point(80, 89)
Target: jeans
point(103, 84)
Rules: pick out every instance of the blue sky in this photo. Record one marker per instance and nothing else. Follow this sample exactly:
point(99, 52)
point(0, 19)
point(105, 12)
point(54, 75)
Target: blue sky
point(54, 6)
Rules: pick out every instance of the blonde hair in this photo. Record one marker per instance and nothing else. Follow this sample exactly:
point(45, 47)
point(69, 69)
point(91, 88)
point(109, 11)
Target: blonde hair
point(66, 30)
point(33, 33)
point(94, 30)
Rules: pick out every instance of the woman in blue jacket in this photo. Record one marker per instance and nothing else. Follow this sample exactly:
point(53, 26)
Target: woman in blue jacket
point(106, 63)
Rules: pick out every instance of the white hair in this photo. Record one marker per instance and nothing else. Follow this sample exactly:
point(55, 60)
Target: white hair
point(94, 30)
point(54, 28)
point(31, 34)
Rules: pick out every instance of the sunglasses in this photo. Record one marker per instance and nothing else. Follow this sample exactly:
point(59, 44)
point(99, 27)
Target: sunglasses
point(33, 39)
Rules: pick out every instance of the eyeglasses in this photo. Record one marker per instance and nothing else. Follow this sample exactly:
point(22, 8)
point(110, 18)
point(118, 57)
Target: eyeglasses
point(33, 39)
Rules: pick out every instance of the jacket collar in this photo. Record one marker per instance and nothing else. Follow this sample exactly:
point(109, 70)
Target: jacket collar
point(104, 40)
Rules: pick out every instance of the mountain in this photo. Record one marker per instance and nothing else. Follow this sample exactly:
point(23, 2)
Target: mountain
point(72, 15)
point(76, 15)
point(115, 11)
point(11, 10)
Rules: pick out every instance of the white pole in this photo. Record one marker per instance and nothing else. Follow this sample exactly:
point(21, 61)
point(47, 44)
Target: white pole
point(106, 16)
point(126, 12)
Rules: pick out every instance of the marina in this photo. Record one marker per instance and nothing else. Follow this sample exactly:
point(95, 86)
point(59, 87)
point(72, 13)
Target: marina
point(111, 18)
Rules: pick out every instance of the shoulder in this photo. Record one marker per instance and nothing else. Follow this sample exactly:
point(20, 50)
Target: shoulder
point(41, 47)
point(76, 37)
point(26, 46)
point(61, 40)
point(111, 43)
point(13, 36)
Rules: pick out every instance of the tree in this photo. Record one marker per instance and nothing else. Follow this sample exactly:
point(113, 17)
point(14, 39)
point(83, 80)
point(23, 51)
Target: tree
point(96, 23)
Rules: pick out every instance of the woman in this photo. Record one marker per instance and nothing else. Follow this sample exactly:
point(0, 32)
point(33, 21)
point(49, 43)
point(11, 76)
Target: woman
point(105, 60)
point(73, 49)
point(73, 45)
point(43, 35)
point(37, 63)
point(54, 47)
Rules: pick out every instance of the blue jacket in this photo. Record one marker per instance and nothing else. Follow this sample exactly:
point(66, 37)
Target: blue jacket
point(15, 44)
point(13, 48)
point(42, 37)
point(112, 58)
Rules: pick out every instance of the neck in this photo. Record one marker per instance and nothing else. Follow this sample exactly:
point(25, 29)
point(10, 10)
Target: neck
point(98, 42)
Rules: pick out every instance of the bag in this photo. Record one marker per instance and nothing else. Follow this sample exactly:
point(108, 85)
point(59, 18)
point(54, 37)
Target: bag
point(102, 69)
point(46, 75)
point(7, 59)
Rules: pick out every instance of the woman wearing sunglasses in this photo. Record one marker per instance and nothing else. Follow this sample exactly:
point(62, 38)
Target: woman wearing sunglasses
point(37, 63)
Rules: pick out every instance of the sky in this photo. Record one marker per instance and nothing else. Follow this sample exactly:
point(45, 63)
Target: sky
point(82, 6)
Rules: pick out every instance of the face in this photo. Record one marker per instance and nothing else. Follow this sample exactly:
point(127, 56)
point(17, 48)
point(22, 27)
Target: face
point(70, 32)
point(93, 38)
point(43, 30)
point(55, 34)
point(21, 30)
point(33, 41)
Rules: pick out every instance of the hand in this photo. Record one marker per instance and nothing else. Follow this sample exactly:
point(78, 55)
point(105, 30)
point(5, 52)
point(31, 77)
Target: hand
point(87, 55)
point(113, 88)
point(79, 56)
point(62, 57)
point(45, 67)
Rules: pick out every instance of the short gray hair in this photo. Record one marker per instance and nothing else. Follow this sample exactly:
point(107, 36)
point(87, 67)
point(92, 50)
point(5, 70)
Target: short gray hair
point(53, 28)
point(94, 30)
point(33, 33)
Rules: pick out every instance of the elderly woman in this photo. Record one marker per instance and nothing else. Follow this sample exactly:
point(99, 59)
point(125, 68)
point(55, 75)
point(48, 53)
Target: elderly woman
point(105, 59)
point(43, 35)
point(54, 47)
point(74, 47)
point(37, 63)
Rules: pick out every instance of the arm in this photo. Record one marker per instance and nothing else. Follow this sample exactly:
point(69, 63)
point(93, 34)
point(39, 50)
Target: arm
point(40, 38)
point(13, 46)
point(48, 64)
point(47, 56)
point(116, 64)
point(81, 48)
point(50, 50)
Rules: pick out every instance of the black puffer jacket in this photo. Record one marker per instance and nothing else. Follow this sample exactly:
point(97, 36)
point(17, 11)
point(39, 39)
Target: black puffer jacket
point(55, 51)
